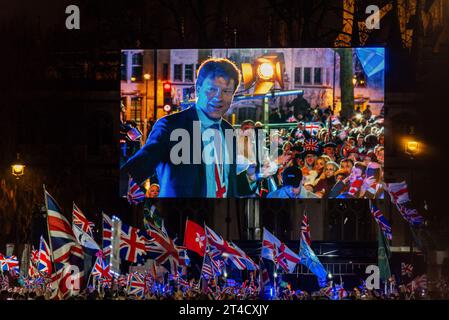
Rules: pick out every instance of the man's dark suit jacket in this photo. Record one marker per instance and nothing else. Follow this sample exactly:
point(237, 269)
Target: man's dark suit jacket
point(181, 180)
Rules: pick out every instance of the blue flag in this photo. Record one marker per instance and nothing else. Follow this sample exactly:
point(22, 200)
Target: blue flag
point(311, 261)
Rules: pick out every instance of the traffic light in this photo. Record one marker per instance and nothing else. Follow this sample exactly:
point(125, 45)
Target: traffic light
point(167, 93)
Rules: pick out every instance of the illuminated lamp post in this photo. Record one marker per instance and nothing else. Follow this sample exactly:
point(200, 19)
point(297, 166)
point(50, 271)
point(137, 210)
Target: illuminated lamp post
point(147, 77)
point(18, 168)
point(412, 148)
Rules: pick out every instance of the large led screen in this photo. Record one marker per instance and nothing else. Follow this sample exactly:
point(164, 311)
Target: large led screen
point(252, 123)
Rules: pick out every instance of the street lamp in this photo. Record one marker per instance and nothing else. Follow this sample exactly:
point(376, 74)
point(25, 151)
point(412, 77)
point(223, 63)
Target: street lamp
point(147, 77)
point(18, 168)
point(412, 148)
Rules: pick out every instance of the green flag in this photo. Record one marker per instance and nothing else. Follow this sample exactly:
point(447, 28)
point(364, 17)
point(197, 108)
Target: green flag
point(383, 254)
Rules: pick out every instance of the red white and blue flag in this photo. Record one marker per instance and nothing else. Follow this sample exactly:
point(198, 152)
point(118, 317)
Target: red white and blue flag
point(381, 221)
point(132, 244)
point(136, 285)
point(164, 251)
point(10, 263)
point(135, 193)
point(400, 197)
point(79, 220)
point(305, 229)
point(101, 269)
point(221, 249)
point(312, 127)
point(67, 253)
point(273, 249)
point(134, 134)
point(34, 256)
point(44, 258)
point(210, 267)
point(82, 229)
point(406, 269)
point(311, 144)
point(107, 235)
point(63, 241)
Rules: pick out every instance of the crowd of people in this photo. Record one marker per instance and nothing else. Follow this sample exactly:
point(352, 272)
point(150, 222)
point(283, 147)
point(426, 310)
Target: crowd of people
point(322, 156)
point(243, 291)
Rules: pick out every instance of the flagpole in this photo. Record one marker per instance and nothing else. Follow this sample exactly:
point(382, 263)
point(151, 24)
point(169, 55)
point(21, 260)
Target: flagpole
point(184, 242)
point(48, 230)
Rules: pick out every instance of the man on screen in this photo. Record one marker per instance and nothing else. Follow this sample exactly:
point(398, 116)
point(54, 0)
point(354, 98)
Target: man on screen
point(208, 168)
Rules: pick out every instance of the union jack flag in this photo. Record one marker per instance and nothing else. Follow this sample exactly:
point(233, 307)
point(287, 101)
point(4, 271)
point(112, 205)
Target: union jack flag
point(136, 285)
point(410, 214)
point(406, 269)
point(107, 235)
point(135, 194)
point(10, 263)
point(32, 271)
point(132, 244)
point(63, 242)
point(341, 292)
point(311, 145)
point(34, 256)
point(44, 258)
point(64, 284)
point(399, 192)
point(4, 282)
point(221, 249)
point(305, 229)
point(381, 221)
point(399, 195)
point(164, 251)
point(101, 269)
point(420, 282)
point(67, 253)
point(80, 220)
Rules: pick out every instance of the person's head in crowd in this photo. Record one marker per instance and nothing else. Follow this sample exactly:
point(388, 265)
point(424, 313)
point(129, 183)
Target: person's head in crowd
point(320, 164)
point(351, 141)
point(330, 149)
point(381, 138)
point(153, 191)
point(287, 146)
point(300, 125)
point(360, 140)
point(379, 152)
point(330, 169)
point(374, 130)
point(247, 124)
point(346, 165)
point(310, 159)
point(358, 171)
point(217, 81)
point(370, 141)
point(292, 176)
point(353, 155)
point(258, 125)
